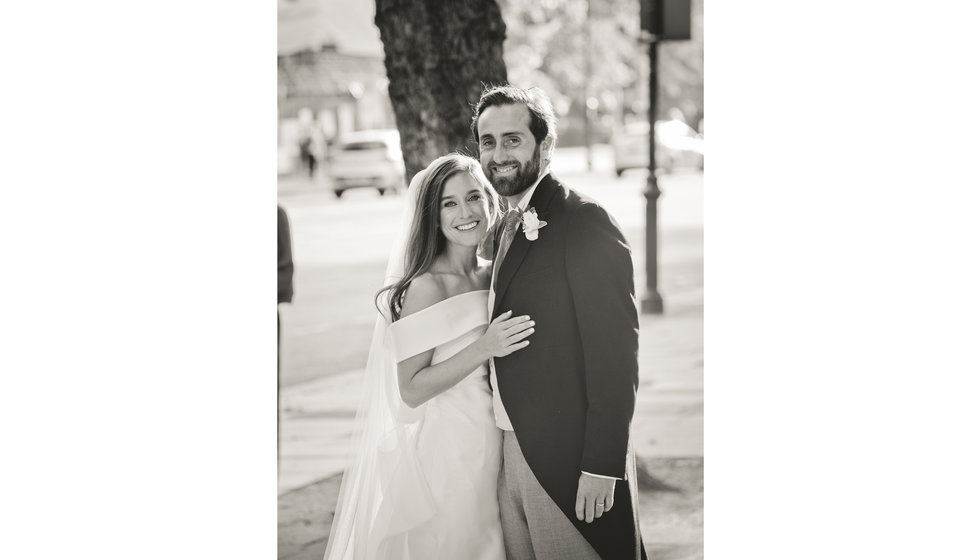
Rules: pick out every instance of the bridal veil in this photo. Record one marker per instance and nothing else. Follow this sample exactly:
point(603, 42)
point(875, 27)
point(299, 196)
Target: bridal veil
point(383, 491)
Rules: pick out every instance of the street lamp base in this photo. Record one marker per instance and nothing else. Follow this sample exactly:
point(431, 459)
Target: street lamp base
point(652, 304)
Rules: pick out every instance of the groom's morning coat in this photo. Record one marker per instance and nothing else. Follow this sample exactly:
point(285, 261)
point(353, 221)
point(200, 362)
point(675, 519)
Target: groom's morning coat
point(570, 394)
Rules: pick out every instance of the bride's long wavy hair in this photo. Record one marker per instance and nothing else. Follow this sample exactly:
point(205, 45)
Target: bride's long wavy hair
point(426, 240)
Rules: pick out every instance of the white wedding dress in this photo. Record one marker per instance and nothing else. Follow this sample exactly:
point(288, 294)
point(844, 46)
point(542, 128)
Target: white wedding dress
point(458, 445)
point(434, 494)
point(422, 484)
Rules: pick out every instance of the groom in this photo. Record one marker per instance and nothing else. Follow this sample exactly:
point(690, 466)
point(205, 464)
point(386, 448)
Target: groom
point(567, 487)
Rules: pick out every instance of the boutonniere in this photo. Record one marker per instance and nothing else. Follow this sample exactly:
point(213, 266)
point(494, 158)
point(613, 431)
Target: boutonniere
point(532, 224)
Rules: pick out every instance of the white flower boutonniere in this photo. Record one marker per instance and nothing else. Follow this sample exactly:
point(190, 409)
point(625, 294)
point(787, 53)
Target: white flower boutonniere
point(532, 224)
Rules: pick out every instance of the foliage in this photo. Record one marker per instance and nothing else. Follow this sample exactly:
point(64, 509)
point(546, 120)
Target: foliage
point(547, 44)
point(437, 54)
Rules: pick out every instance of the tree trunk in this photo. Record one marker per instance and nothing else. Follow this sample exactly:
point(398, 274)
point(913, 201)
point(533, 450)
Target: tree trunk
point(438, 55)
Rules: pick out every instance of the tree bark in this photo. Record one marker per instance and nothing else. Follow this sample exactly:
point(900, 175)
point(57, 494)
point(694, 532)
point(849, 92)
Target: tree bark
point(438, 55)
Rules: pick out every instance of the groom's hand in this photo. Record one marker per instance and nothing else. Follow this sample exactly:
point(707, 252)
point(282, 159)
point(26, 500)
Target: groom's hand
point(595, 497)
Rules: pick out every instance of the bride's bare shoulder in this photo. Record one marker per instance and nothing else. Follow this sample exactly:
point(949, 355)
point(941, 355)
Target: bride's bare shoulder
point(425, 291)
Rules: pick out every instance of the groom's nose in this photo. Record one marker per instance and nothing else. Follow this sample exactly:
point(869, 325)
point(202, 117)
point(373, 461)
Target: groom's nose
point(499, 155)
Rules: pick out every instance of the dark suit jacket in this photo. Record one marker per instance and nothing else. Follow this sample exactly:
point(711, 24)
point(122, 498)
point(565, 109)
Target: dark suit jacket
point(285, 279)
point(570, 394)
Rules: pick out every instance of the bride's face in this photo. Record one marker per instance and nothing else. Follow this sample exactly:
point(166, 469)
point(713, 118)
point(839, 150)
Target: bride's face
point(463, 210)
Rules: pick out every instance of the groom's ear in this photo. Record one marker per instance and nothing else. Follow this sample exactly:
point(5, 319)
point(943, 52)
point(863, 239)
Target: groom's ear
point(547, 150)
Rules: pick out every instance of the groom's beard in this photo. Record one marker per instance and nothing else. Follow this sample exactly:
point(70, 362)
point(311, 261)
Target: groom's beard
point(526, 175)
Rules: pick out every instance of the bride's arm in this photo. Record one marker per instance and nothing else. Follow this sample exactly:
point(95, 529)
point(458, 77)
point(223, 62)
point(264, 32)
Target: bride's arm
point(419, 380)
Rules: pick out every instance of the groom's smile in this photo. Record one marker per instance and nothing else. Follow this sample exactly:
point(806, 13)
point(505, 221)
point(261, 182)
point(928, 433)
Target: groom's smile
point(504, 170)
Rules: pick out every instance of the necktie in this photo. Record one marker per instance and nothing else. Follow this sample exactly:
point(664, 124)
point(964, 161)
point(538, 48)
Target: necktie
point(491, 242)
point(510, 221)
point(511, 218)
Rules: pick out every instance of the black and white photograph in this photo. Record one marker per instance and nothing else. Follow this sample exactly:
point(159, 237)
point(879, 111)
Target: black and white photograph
point(436, 399)
point(523, 295)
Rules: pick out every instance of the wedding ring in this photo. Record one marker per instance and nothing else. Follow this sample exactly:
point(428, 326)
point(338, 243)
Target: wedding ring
point(600, 505)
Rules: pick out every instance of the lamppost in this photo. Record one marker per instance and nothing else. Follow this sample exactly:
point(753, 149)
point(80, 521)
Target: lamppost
point(660, 20)
point(652, 301)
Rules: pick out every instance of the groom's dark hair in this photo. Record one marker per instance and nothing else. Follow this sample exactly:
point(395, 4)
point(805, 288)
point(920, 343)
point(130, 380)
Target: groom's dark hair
point(544, 124)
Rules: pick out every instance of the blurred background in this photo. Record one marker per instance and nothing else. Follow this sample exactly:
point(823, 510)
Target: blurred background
point(339, 151)
point(343, 166)
point(587, 55)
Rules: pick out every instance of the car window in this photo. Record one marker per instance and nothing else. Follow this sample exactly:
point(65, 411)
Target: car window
point(367, 145)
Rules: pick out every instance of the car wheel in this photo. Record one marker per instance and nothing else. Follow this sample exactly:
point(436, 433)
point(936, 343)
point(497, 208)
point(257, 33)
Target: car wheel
point(382, 191)
point(619, 172)
point(339, 192)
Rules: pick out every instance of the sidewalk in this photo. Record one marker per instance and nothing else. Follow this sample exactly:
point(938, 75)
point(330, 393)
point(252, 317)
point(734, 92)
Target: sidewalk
point(317, 421)
point(318, 417)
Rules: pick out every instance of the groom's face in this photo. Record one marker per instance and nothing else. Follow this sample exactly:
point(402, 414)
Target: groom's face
point(510, 156)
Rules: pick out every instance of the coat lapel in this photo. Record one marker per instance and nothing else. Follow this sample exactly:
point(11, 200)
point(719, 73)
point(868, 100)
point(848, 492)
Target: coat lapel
point(540, 201)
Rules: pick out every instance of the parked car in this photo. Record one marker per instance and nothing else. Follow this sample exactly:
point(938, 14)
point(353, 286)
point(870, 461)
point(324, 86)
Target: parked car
point(678, 145)
point(367, 159)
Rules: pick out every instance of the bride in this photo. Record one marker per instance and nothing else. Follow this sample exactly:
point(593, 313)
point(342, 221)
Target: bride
point(423, 484)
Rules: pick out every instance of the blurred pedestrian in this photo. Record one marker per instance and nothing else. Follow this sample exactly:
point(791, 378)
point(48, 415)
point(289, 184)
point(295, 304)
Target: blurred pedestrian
point(318, 146)
point(285, 280)
point(312, 142)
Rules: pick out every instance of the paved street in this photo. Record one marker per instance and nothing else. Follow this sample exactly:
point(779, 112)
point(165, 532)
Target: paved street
point(340, 249)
